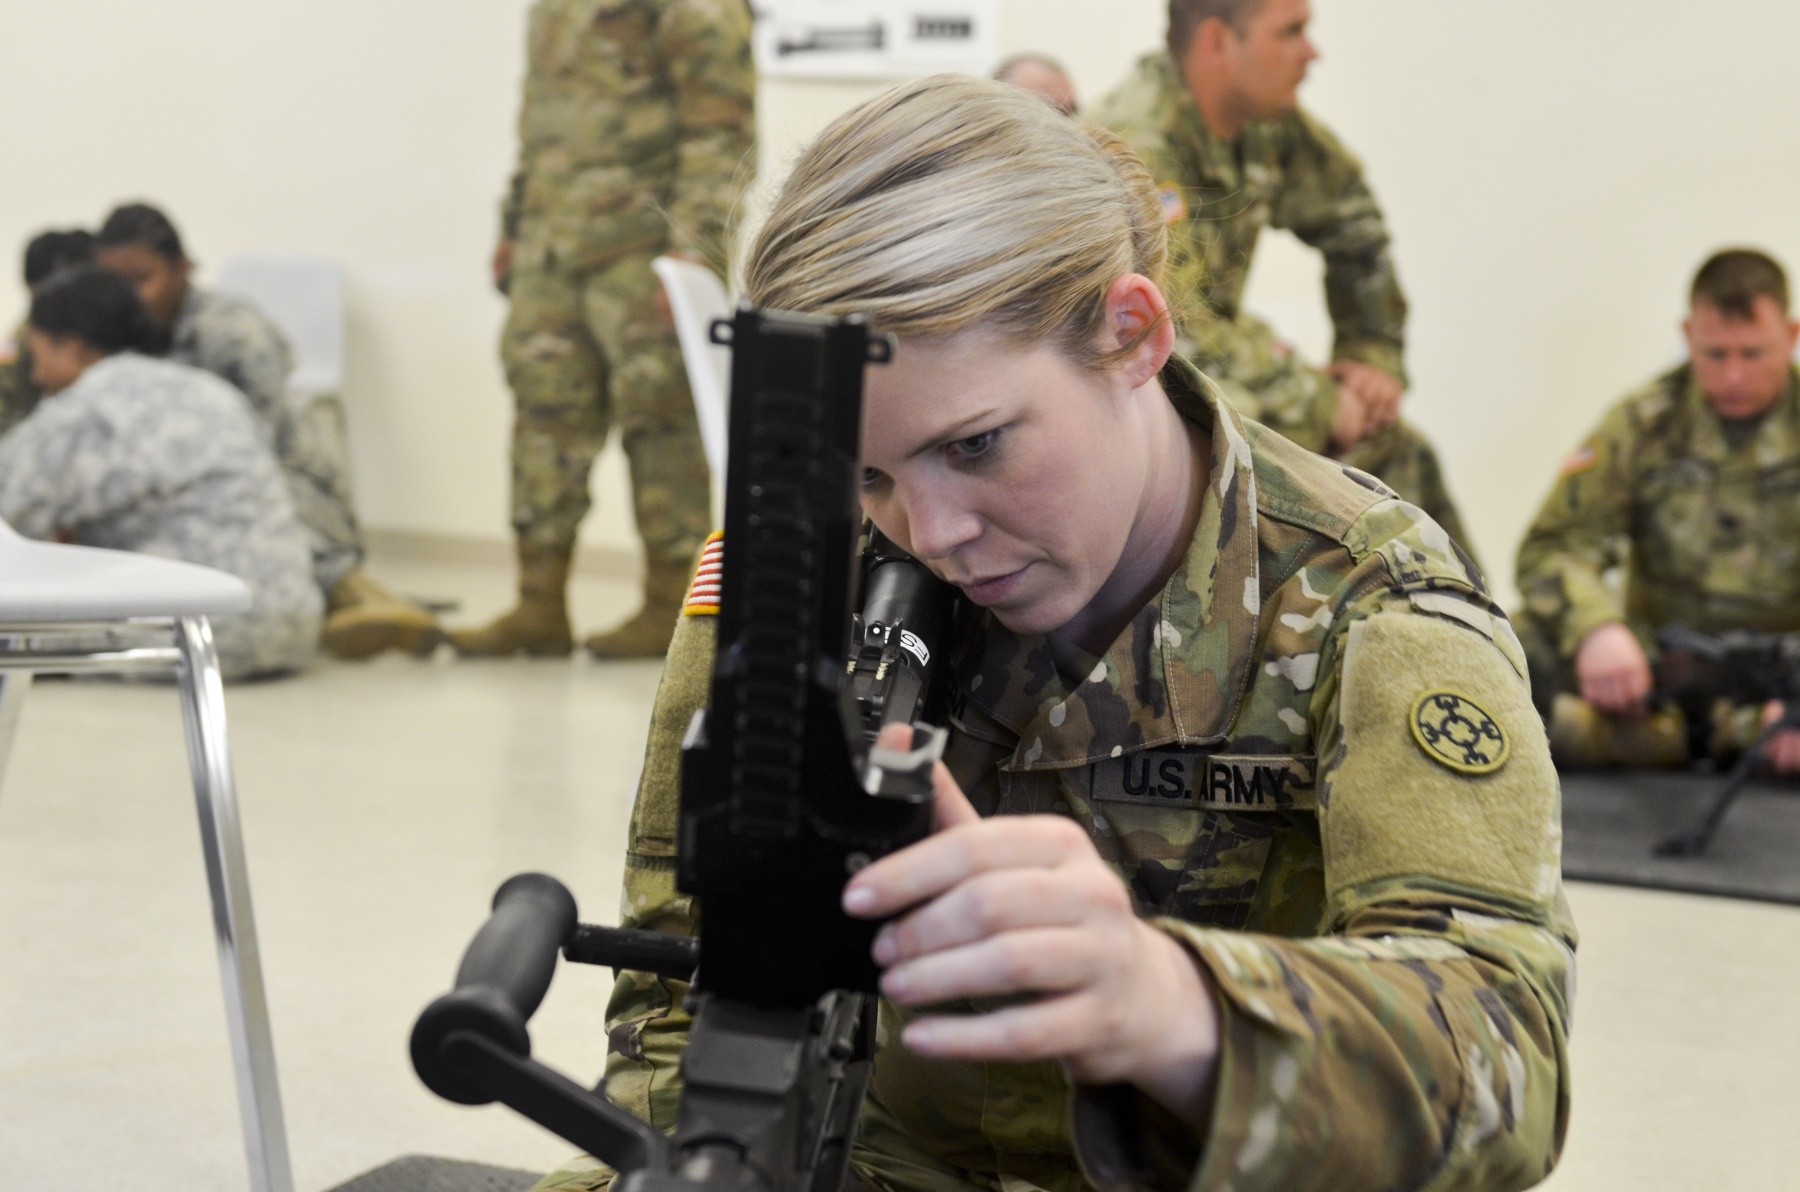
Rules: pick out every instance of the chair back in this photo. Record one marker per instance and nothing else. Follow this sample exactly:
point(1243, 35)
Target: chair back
point(697, 297)
point(305, 297)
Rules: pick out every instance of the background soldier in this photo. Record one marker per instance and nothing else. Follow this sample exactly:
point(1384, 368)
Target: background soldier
point(1215, 116)
point(636, 123)
point(1691, 488)
point(1044, 77)
point(230, 338)
point(133, 453)
point(47, 253)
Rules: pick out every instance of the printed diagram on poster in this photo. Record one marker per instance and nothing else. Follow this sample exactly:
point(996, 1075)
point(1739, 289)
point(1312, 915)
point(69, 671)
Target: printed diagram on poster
point(874, 39)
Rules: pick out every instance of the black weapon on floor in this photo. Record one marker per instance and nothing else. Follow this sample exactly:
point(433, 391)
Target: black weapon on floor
point(784, 795)
point(1741, 667)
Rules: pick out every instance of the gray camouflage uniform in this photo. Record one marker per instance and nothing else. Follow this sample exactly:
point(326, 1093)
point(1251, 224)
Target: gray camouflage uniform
point(145, 455)
point(230, 338)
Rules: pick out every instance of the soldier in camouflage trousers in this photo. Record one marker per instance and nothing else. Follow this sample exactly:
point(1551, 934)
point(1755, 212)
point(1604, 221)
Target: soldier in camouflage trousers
point(636, 129)
point(1689, 493)
point(1227, 168)
point(1286, 744)
point(230, 338)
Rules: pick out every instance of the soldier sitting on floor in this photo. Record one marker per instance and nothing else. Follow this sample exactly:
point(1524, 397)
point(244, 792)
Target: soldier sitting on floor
point(134, 453)
point(230, 338)
point(1688, 493)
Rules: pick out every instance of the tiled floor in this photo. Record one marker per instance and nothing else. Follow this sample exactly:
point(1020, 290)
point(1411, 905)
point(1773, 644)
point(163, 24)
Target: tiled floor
point(383, 803)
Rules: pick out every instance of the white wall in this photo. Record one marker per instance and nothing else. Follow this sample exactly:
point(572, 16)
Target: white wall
point(1553, 172)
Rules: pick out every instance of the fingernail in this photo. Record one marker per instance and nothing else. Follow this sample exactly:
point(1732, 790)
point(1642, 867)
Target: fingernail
point(884, 947)
point(858, 900)
point(895, 984)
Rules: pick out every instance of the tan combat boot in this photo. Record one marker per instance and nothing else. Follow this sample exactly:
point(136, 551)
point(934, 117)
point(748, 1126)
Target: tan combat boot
point(363, 618)
point(646, 634)
point(539, 626)
point(1582, 738)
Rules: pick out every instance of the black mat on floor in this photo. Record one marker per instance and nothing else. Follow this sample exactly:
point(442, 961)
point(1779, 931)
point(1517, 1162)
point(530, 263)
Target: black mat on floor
point(423, 1173)
point(1613, 822)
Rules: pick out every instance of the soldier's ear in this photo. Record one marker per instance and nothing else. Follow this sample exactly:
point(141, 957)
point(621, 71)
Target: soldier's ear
point(1138, 320)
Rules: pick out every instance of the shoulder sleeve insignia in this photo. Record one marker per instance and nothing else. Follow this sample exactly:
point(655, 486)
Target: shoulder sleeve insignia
point(1174, 207)
point(709, 577)
point(1580, 462)
point(1457, 733)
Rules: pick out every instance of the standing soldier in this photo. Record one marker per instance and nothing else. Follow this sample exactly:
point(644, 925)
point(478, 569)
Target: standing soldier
point(1215, 117)
point(636, 124)
point(230, 338)
point(1688, 493)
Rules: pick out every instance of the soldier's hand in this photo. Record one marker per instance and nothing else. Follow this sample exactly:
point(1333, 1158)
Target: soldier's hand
point(1613, 673)
point(1380, 392)
point(502, 263)
point(1350, 422)
point(1782, 753)
point(1023, 905)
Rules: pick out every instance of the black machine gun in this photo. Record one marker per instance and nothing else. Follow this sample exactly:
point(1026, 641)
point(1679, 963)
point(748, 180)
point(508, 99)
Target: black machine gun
point(783, 797)
point(1740, 666)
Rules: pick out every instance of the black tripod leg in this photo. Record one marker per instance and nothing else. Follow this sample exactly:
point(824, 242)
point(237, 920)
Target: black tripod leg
point(1694, 841)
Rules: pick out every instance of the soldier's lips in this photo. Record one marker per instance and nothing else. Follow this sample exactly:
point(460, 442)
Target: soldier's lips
point(989, 592)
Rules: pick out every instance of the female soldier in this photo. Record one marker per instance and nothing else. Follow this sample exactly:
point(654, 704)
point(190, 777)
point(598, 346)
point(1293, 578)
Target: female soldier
point(1259, 854)
point(139, 454)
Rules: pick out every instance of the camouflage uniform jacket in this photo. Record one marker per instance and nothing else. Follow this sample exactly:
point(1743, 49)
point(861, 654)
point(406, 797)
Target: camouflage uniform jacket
point(146, 455)
point(1384, 924)
point(637, 120)
point(230, 338)
point(1217, 197)
point(1706, 531)
point(19, 394)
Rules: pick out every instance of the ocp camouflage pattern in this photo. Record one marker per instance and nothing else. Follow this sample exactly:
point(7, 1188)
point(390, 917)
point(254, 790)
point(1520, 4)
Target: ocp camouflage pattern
point(1289, 173)
point(636, 131)
point(636, 134)
point(1388, 938)
point(1702, 530)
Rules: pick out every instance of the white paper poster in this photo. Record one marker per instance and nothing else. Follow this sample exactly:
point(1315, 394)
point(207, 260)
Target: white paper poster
point(874, 39)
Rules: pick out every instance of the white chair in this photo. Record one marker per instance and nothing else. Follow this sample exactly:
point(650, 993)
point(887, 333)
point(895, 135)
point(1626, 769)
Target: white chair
point(697, 297)
point(78, 610)
point(305, 298)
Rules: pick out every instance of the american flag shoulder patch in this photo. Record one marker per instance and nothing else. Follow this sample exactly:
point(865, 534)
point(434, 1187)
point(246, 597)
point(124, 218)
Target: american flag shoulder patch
point(1174, 206)
point(1580, 462)
point(709, 578)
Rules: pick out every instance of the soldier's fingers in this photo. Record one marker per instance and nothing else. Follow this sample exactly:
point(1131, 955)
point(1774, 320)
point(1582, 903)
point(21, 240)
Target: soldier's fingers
point(1783, 752)
point(1044, 960)
point(949, 806)
point(935, 864)
point(1050, 1029)
point(991, 903)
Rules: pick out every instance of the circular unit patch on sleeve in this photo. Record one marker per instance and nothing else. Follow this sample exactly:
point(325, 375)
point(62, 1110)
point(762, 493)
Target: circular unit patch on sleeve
point(1458, 734)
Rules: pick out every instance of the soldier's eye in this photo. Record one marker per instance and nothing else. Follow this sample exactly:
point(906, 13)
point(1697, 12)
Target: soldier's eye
point(974, 447)
point(870, 478)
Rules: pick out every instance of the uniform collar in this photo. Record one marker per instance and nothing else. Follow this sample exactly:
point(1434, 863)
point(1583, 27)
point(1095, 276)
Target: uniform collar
point(1216, 157)
point(1777, 437)
point(1177, 671)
